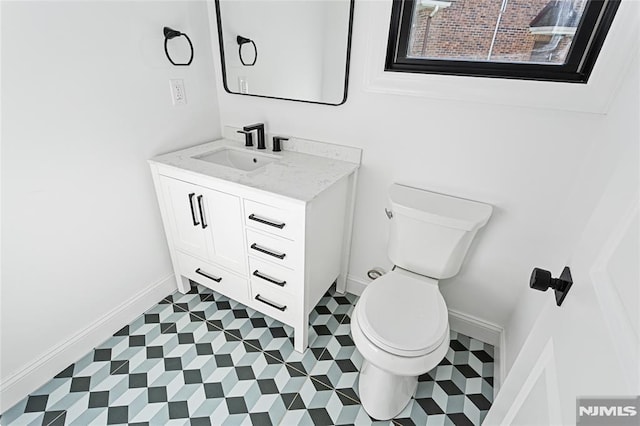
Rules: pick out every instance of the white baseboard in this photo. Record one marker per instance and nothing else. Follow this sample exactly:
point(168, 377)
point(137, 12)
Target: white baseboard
point(31, 377)
point(475, 327)
point(486, 332)
point(500, 365)
point(462, 323)
point(355, 285)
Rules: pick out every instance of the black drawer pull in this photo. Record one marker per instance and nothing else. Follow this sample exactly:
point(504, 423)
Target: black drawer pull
point(268, 278)
point(201, 208)
point(211, 277)
point(279, 225)
point(193, 211)
point(273, 305)
point(267, 251)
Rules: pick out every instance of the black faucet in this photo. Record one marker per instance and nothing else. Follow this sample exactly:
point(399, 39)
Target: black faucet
point(277, 146)
point(260, 128)
point(248, 137)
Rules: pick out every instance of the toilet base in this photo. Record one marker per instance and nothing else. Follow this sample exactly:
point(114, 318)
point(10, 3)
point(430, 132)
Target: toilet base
point(384, 395)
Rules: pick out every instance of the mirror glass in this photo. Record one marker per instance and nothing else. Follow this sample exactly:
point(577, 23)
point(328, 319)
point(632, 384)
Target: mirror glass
point(287, 49)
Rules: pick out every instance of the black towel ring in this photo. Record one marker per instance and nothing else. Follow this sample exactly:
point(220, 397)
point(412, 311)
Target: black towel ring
point(241, 41)
point(168, 35)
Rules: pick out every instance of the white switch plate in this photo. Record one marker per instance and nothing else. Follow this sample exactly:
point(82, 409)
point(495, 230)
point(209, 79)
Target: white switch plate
point(178, 95)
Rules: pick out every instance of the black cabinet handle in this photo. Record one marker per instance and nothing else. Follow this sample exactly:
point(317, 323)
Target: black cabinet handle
point(201, 208)
point(211, 277)
point(279, 225)
point(273, 305)
point(193, 212)
point(268, 278)
point(267, 251)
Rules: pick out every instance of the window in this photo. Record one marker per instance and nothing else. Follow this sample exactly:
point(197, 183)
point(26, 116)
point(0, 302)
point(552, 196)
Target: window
point(557, 40)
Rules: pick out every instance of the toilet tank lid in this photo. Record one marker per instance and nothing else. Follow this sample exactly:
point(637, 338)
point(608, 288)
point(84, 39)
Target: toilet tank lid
point(438, 209)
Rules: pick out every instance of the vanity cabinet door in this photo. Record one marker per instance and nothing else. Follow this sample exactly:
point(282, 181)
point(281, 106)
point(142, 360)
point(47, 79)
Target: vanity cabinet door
point(186, 226)
point(224, 228)
point(206, 223)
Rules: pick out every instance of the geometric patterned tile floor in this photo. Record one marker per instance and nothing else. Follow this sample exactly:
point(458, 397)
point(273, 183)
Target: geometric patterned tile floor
point(203, 359)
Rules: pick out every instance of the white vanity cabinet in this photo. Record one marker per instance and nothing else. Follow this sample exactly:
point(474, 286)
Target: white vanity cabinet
point(277, 248)
point(295, 253)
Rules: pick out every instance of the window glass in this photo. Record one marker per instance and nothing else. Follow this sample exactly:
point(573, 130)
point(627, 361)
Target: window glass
point(541, 39)
point(538, 31)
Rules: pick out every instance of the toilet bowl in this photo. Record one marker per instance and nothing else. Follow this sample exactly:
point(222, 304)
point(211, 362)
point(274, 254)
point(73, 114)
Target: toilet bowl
point(400, 326)
point(400, 323)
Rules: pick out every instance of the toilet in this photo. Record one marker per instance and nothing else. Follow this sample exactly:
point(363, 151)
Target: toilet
point(400, 324)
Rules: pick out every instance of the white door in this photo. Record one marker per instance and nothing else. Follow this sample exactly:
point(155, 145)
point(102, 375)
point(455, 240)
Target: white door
point(589, 345)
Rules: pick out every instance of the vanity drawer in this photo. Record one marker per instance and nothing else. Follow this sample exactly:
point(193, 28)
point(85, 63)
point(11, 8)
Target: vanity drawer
point(275, 220)
point(213, 277)
point(273, 302)
point(273, 249)
point(272, 275)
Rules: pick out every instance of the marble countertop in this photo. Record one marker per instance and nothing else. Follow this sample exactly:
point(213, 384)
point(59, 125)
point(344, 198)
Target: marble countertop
point(298, 175)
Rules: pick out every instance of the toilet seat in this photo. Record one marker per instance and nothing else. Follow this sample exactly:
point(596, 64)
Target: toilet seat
point(403, 315)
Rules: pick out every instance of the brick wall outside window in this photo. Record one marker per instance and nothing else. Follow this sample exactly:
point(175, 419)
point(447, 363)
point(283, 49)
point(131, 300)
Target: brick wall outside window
point(465, 30)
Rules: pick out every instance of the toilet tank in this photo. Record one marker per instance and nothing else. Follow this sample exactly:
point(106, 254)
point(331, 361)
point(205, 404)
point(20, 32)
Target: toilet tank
point(431, 232)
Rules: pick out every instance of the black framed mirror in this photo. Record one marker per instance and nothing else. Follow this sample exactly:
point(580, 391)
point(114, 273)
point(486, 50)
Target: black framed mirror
point(295, 50)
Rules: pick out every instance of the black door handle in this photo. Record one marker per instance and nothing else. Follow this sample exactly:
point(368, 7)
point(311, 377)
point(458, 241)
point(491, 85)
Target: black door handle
point(273, 305)
point(267, 251)
point(259, 274)
point(542, 280)
point(201, 208)
point(279, 225)
point(206, 275)
point(193, 211)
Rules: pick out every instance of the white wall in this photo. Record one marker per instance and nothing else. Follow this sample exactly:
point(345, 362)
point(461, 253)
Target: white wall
point(85, 102)
point(522, 160)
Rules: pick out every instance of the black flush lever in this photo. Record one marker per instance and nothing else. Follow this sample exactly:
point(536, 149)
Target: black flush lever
point(542, 280)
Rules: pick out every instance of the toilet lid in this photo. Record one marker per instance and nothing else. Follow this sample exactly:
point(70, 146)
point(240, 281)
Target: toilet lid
point(403, 315)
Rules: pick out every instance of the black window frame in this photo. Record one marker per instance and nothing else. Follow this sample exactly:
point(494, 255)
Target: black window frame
point(589, 37)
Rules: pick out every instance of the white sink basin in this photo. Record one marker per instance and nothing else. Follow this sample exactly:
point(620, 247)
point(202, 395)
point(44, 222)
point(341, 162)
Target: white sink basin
point(237, 158)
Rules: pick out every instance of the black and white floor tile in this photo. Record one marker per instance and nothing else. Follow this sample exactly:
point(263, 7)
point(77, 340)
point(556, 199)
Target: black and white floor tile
point(203, 359)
